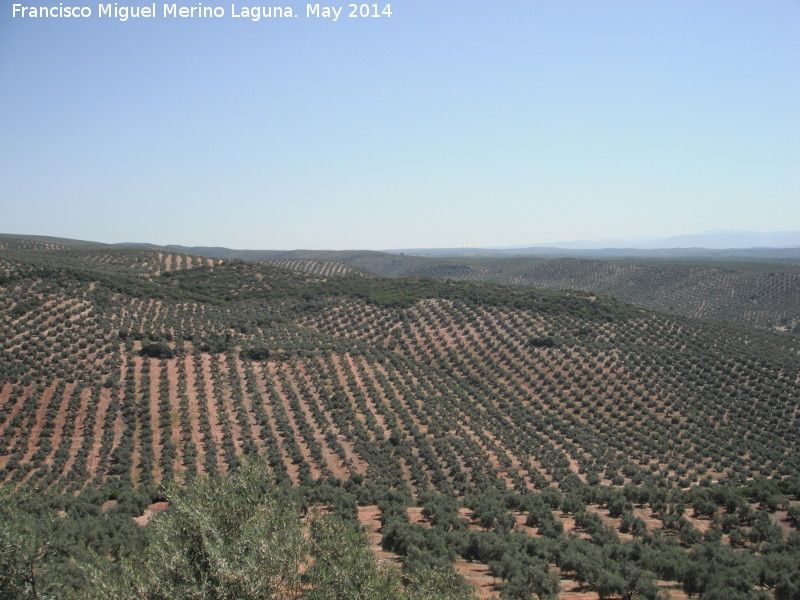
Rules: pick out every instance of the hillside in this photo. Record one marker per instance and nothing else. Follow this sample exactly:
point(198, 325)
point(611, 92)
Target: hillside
point(122, 369)
point(757, 286)
point(761, 294)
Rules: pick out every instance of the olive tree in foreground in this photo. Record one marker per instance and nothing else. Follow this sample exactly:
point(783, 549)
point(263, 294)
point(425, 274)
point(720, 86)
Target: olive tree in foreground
point(27, 554)
point(234, 539)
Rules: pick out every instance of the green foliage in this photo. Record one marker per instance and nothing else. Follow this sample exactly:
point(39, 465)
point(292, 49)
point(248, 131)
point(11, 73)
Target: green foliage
point(255, 353)
point(27, 553)
point(360, 391)
point(157, 350)
point(238, 539)
point(22, 308)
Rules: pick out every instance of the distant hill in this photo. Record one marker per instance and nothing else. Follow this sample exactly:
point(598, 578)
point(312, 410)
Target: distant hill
point(761, 254)
point(765, 294)
point(722, 240)
point(42, 242)
point(732, 286)
point(717, 240)
point(760, 287)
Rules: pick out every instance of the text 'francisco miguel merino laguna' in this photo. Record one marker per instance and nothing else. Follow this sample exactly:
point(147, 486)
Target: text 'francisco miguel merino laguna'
point(199, 11)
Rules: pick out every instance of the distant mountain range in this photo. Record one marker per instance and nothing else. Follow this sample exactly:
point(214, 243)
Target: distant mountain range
point(776, 245)
point(708, 244)
point(717, 240)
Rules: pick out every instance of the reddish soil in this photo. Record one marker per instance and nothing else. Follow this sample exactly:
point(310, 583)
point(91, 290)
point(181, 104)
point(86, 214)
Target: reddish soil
point(174, 415)
point(782, 520)
point(569, 525)
point(479, 578)
point(646, 514)
point(138, 391)
point(227, 402)
point(368, 399)
point(36, 430)
point(213, 417)
point(61, 417)
point(5, 395)
point(247, 400)
point(610, 521)
point(194, 412)
point(536, 464)
point(119, 427)
point(291, 468)
point(673, 590)
point(466, 514)
point(702, 524)
point(77, 433)
point(155, 375)
point(298, 438)
point(342, 377)
point(16, 435)
point(333, 462)
point(574, 466)
point(370, 518)
point(358, 464)
point(101, 410)
point(522, 518)
point(148, 513)
point(572, 590)
point(415, 516)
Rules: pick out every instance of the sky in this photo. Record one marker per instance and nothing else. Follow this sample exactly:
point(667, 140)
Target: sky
point(450, 123)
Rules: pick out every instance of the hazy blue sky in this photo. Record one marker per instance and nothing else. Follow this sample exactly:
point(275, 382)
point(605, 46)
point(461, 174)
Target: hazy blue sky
point(452, 123)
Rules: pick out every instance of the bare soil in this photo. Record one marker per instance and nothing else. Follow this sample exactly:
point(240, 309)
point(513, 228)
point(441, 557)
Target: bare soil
point(572, 590)
point(370, 518)
point(358, 464)
point(194, 412)
point(36, 430)
point(158, 446)
point(148, 513)
point(298, 438)
point(78, 432)
point(213, 416)
point(60, 419)
point(101, 410)
point(174, 414)
point(291, 468)
point(479, 577)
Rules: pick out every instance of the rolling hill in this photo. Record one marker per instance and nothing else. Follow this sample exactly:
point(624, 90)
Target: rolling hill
point(539, 426)
point(765, 294)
